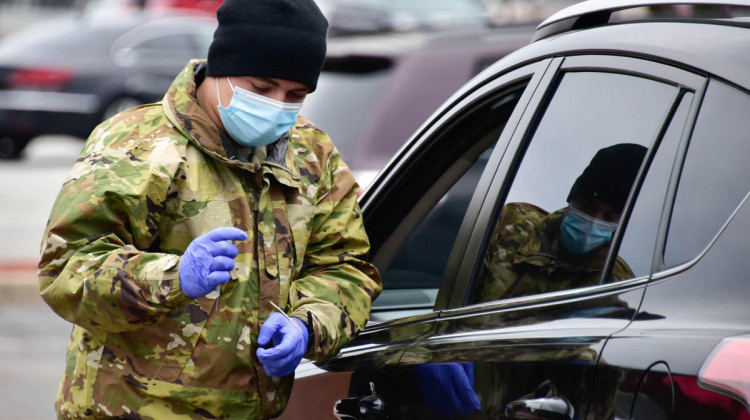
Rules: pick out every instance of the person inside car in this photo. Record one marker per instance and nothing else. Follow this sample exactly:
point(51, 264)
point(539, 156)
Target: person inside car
point(186, 224)
point(533, 251)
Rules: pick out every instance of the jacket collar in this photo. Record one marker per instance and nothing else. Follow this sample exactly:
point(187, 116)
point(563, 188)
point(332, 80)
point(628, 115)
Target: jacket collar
point(182, 109)
point(543, 247)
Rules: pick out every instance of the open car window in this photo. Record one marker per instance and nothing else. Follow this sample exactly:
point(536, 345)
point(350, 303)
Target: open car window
point(430, 209)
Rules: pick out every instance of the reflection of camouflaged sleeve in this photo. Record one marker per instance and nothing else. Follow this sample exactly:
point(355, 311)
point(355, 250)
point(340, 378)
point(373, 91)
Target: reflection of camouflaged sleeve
point(90, 272)
point(516, 225)
point(335, 283)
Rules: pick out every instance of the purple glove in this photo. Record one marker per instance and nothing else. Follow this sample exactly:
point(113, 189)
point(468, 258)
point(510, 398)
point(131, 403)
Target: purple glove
point(208, 260)
point(289, 344)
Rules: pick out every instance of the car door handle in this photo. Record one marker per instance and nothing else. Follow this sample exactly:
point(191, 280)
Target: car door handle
point(552, 408)
point(370, 407)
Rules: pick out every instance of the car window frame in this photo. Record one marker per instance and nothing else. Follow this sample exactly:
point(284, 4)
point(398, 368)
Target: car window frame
point(453, 111)
point(662, 270)
point(681, 79)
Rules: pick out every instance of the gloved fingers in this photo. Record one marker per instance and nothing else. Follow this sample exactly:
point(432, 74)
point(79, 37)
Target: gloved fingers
point(218, 277)
point(281, 349)
point(270, 327)
point(222, 263)
point(274, 353)
point(224, 248)
point(227, 233)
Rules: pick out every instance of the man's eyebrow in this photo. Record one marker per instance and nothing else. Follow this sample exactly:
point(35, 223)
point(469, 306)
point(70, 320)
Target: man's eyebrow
point(269, 80)
point(304, 89)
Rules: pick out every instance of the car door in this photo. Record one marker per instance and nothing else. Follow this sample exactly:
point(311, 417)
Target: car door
point(494, 354)
point(413, 214)
point(698, 291)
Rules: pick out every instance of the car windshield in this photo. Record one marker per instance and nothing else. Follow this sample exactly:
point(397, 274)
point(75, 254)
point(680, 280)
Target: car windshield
point(342, 106)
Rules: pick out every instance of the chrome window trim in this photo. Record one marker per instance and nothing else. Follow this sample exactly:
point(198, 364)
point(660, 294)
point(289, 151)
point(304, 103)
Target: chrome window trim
point(545, 298)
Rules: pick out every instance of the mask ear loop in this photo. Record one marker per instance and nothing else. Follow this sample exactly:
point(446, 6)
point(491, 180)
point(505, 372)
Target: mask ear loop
point(218, 95)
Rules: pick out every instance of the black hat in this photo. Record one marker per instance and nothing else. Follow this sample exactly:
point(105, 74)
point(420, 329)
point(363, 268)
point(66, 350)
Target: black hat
point(610, 175)
point(284, 39)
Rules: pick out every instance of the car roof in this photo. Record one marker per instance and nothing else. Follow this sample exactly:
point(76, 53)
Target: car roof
point(716, 47)
point(573, 16)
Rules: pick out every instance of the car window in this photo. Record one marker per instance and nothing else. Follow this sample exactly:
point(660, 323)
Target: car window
point(569, 190)
point(714, 175)
point(637, 246)
point(413, 259)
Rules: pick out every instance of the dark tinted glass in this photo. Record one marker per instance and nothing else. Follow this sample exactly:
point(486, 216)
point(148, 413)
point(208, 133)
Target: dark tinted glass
point(639, 240)
point(428, 208)
point(589, 113)
point(422, 259)
point(714, 177)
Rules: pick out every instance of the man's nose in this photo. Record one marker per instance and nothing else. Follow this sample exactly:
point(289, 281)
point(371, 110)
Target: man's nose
point(277, 94)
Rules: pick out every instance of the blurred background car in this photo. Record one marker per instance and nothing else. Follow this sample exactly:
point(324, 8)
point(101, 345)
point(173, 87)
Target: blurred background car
point(378, 84)
point(360, 16)
point(119, 6)
point(375, 91)
point(67, 75)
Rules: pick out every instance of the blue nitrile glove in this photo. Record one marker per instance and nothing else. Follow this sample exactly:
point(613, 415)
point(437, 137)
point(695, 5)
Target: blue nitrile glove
point(289, 344)
point(208, 260)
point(448, 388)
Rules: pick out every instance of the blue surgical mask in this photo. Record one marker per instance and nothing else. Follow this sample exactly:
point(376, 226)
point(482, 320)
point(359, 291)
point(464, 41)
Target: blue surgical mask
point(580, 233)
point(254, 120)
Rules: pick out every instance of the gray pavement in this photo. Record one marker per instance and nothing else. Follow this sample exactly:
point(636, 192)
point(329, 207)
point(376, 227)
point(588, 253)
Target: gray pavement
point(33, 339)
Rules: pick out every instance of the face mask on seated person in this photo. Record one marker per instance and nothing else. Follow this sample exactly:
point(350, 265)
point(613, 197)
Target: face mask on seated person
point(254, 120)
point(580, 233)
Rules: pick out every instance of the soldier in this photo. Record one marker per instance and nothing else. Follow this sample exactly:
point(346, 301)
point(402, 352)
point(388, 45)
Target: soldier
point(184, 223)
point(533, 251)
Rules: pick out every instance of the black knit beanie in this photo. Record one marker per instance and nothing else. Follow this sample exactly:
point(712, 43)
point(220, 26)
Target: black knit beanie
point(610, 175)
point(284, 39)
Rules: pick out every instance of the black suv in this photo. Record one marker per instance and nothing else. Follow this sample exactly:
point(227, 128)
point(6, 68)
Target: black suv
point(566, 237)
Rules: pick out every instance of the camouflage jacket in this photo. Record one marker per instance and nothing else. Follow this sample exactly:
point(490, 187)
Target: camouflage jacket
point(149, 181)
point(525, 257)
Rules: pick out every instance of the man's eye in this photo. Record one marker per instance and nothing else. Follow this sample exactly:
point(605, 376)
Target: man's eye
point(261, 88)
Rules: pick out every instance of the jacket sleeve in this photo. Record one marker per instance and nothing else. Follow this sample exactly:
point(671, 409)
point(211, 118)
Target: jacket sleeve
point(336, 284)
point(96, 268)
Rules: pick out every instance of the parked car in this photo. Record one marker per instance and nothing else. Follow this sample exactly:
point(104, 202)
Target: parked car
point(110, 7)
point(67, 75)
point(368, 16)
point(376, 90)
point(668, 339)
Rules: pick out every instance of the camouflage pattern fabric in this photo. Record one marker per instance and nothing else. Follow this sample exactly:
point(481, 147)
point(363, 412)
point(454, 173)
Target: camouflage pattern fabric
point(149, 181)
point(525, 257)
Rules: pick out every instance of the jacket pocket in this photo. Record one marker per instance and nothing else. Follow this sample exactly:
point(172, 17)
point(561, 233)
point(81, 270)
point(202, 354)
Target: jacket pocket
point(160, 351)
